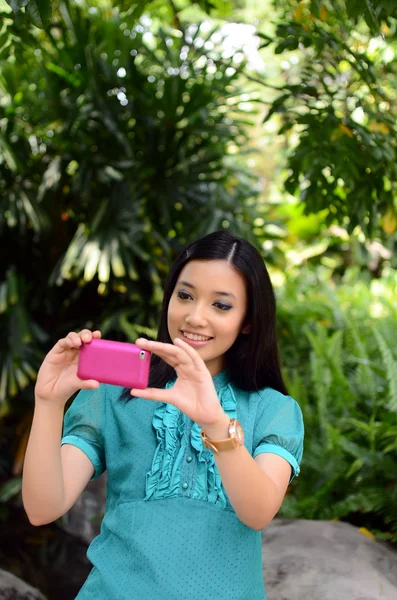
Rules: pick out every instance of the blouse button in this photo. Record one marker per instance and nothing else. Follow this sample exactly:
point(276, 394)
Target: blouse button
point(189, 459)
point(185, 486)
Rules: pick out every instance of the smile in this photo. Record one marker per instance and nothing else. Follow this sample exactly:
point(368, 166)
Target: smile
point(195, 337)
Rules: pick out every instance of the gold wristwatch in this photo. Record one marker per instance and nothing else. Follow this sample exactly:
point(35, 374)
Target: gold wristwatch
point(234, 441)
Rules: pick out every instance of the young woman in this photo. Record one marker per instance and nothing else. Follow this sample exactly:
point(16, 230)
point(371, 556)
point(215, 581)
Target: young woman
point(196, 475)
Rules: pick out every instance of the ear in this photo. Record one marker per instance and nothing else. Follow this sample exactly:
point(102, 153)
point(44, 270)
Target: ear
point(246, 329)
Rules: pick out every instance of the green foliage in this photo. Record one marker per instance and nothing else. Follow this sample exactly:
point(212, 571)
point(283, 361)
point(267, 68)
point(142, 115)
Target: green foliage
point(38, 11)
point(336, 103)
point(339, 347)
point(115, 138)
point(21, 358)
point(336, 108)
point(375, 11)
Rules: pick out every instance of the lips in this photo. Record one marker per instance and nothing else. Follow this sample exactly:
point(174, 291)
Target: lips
point(200, 335)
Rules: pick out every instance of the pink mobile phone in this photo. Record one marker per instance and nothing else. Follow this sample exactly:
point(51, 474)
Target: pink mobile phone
point(112, 362)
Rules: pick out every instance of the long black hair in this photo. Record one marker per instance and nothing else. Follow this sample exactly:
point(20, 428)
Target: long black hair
point(252, 362)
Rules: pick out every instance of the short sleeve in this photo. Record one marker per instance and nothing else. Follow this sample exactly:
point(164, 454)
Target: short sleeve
point(84, 425)
point(279, 428)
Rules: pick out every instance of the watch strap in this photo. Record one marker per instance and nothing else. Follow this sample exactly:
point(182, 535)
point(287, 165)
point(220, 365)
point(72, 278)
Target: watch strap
point(220, 445)
point(230, 443)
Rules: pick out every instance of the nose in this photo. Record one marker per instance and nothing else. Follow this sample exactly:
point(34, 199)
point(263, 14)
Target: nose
point(196, 317)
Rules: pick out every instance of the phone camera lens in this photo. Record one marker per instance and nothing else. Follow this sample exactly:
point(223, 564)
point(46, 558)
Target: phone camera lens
point(142, 355)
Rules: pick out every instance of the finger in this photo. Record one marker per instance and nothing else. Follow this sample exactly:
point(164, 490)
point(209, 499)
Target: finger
point(88, 384)
point(191, 353)
point(85, 335)
point(74, 337)
point(155, 394)
point(144, 343)
point(96, 334)
point(173, 358)
point(71, 341)
point(160, 347)
point(168, 352)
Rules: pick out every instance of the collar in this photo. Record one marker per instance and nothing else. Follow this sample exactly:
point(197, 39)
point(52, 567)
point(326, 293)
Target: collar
point(220, 380)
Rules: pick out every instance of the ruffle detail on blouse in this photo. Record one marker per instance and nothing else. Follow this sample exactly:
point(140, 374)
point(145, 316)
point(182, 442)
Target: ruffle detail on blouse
point(163, 479)
point(208, 485)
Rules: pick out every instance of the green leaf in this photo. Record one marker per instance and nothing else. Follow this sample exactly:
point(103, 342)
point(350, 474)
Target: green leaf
point(11, 488)
point(354, 8)
point(355, 467)
point(17, 4)
point(371, 17)
point(3, 297)
point(219, 5)
point(8, 154)
point(73, 79)
point(135, 13)
point(39, 12)
point(389, 6)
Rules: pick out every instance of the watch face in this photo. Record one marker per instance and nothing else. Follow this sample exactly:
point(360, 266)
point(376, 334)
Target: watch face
point(237, 432)
point(240, 433)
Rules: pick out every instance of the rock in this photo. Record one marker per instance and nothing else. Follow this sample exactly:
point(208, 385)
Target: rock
point(324, 560)
point(13, 588)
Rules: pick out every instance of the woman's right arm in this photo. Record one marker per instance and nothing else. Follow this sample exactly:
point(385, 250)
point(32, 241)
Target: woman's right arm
point(55, 476)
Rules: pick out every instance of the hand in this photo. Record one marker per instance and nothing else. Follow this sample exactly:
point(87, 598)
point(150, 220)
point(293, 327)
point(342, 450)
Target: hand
point(57, 377)
point(194, 391)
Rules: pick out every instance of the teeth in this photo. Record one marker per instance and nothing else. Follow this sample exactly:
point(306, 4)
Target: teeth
point(196, 338)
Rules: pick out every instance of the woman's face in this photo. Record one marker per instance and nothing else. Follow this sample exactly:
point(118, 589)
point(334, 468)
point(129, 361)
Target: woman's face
point(207, 309)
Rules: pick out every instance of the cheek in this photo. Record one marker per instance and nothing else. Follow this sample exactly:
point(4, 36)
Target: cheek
point(173, 312)
point(230, 328)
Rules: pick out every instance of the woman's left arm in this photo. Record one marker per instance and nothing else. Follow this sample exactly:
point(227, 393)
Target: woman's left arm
point(255, 487)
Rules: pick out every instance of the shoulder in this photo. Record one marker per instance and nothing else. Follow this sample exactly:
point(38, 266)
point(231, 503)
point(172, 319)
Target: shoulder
point(99, 398)
point(268, 397)
point(267, 404)
point(271, 405)
point(269, 394)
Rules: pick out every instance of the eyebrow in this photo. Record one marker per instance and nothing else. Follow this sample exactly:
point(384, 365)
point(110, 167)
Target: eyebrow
point(189, 285)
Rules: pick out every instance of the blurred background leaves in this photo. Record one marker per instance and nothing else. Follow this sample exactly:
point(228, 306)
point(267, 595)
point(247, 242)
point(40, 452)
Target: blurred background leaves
point(114, 138)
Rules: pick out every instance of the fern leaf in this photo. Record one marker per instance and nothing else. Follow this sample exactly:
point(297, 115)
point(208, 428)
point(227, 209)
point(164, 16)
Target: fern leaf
point(391, 370)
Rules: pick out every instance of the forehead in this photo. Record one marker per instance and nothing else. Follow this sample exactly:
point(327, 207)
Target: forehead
point(214, 275)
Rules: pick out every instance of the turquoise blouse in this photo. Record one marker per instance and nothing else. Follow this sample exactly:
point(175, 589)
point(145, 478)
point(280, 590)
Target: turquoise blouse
point(169, 531)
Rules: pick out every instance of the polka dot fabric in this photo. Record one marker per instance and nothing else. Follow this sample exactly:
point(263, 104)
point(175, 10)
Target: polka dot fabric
point(169, 531)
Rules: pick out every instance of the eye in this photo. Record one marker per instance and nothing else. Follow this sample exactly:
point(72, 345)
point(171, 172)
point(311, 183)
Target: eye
point(183, 295)
point(222, 306)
